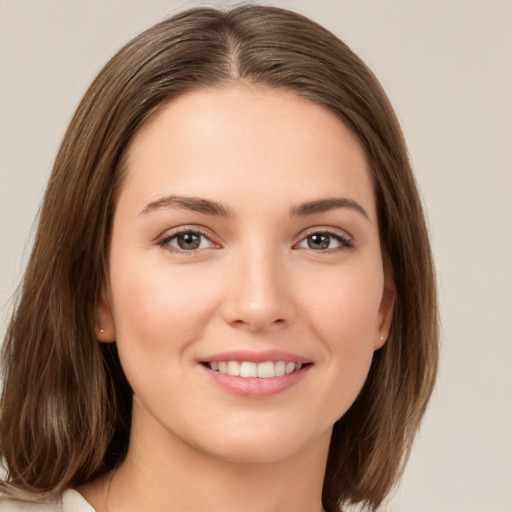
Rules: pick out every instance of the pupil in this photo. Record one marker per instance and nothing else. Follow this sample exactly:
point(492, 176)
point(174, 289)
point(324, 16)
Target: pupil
point(189, 241)
point(318, 241)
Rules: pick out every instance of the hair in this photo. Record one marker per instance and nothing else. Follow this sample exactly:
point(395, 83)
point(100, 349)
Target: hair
point(66, 405)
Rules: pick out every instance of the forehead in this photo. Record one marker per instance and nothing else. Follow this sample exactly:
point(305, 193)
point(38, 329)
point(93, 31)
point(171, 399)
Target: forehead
point(243, 141)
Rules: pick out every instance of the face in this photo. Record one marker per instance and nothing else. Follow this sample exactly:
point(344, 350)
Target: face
point(246, 289)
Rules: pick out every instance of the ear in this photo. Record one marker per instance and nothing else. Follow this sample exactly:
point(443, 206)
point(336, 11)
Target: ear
point(385, 316)
point(105, 327)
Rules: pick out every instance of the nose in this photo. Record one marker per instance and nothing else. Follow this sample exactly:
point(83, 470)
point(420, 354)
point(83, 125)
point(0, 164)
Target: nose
point(260, 292)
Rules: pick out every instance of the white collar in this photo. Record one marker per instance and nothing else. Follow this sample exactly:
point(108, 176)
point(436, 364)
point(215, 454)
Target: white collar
point(72, 501)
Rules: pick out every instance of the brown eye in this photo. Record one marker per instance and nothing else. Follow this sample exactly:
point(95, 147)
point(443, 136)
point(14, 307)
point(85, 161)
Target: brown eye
point(188, 241)
point(319, 241)
point(325, 241)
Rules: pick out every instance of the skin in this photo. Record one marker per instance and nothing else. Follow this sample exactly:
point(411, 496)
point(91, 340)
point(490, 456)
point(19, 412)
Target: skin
point(255, 284)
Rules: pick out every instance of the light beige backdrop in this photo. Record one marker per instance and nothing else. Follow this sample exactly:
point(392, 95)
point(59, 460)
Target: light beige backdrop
point(447, 67)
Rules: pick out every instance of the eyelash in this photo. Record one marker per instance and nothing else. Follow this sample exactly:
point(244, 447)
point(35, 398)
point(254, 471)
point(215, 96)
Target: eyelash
point(344, 239)
point(165, 241)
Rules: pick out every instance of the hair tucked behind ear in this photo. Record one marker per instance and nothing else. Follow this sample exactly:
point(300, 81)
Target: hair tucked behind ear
point(66, 405)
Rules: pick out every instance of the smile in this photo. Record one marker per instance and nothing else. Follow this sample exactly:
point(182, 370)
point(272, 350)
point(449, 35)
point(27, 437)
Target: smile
point(255, 374)
point(264, 370)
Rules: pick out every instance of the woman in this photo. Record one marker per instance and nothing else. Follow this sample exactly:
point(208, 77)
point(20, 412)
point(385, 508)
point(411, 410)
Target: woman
point(230, 301)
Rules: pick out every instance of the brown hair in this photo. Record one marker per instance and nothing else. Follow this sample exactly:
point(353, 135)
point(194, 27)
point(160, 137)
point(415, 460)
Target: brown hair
point(66, 405)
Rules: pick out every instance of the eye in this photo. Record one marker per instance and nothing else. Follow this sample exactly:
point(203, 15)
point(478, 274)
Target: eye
point(325, 241)
point(187, 241)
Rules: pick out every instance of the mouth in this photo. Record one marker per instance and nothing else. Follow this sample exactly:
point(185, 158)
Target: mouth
point(251, 369)
point(251, 374)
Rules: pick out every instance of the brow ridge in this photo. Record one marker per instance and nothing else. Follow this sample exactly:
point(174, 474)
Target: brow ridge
point(324, 205)
point(210, 207)
point(196, 204)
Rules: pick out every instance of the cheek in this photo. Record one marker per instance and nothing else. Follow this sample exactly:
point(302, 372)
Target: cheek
point(157, 315)
point(157, 310)
point(148, 294)
point(345, 305)
point(344, 315)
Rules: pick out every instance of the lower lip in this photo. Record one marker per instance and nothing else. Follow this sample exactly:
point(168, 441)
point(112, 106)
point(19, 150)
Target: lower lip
point(254, 387)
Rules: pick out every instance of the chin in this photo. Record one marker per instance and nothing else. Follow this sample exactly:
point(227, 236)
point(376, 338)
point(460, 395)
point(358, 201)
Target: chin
point(260, 442)
point(255, 452)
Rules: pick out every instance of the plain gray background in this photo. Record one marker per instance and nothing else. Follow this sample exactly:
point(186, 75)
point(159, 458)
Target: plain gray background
point(447, 67)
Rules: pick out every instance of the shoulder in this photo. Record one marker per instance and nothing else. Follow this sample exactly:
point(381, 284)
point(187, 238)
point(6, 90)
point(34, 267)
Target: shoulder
point(70, 501)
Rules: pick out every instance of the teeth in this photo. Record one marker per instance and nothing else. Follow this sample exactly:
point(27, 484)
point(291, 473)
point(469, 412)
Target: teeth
point(266, 370)
point(280, 368)
point(233, 368)
point(289, 368)
point(249, 369)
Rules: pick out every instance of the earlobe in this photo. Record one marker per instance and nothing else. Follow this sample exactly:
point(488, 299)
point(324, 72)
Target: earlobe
point(381, 338)
point(105, 328)
point(386, 308)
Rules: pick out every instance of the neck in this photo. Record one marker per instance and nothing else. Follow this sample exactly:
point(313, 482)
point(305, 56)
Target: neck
point(161, 472)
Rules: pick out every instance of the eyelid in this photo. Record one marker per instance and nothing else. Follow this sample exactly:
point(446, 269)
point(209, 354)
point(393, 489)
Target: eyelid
point(346, 239)
point(168, 235)
point(341, 233)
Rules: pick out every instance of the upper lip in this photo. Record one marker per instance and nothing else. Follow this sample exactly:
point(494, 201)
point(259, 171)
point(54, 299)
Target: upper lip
point(255, 356)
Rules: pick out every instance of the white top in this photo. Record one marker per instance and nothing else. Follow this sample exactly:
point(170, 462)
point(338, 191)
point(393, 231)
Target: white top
point(70, 501)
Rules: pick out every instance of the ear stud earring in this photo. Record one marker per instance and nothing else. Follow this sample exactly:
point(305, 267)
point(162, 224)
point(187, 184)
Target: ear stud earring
point(102, 331)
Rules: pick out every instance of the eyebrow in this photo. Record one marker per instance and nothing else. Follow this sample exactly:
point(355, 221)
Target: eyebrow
point(195, 204)
point(324, 205)
point(209, 207)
